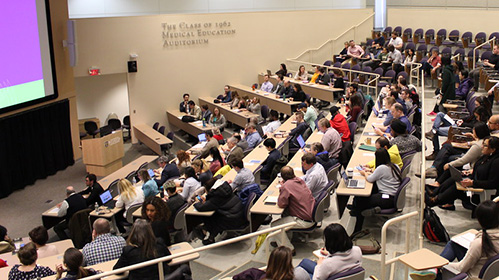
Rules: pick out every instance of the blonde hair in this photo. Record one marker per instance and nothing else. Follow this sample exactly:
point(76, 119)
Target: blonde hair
point(200, 164)
point(127, 190)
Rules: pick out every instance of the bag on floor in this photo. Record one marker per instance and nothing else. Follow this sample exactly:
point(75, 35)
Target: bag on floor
point(365, 240)
point(433, 228)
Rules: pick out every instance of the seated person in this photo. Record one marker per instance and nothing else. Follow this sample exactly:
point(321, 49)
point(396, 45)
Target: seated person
point(235, 100)
point(157, 213)
point(338, 255)
point(339, 82)
point(377, 44)
point(301, 127)
point(205, 113)
point(217, 160)
point(256, 108)
point(316, 74)
point(229, 212)
point(339, 123)
point(433, 63)
point(149, 186)
point(298, 94)
point(322, 156)
point(354, 51)
point(233, 152)
point(301, 74)
point(404, 141)
point(483, 247)
point(252, 136)
point(73, 261)
point(389, 101)
point(279, 86)
point(39, 236)
point(218, 135)
point(355, 107)
point(168, 171)
point(283, 70)
point(194, 110)
point(212, 143)
point(104, 246)
point(396, 41)
point(218, 119)
point(184, 106)
point(266, 85)
point(287, 90)
point(310, 114)
point(465, 85)
point(191, 184)
point(270, 161)
point(202, 170)
point(94, 189)
point(174, 202)
point(343, 54)
point(280, 266)
point(324, 78)
point(386, 180)
point(28, 269)
point(393, 151)
point(315, 176)
point(273, 125)
point(331, 140)
point(243, 178)
point(397, 113)
point(227, 95)
point(6, 244)
point(73, 203)
point(352, 90)
point(183, 160)
point(129, 195)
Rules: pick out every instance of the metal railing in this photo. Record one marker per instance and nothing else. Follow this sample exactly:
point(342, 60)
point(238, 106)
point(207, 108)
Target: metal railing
point(159, 261)
point(491, 41)
point(423, 162)
point(414, 73)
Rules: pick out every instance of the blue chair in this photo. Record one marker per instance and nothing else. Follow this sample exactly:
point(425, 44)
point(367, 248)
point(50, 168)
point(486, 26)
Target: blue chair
point(399, 199)
point(155, 126)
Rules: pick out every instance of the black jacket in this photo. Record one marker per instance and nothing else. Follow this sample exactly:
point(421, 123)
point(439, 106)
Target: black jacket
point(299, 96)
point(298, 130)
point(323, 79)
point(448, 84)
point(269, 163)
point(170, 170)
point(324, 160)
point(133, 255)
point(485, 175)
point(94, 191)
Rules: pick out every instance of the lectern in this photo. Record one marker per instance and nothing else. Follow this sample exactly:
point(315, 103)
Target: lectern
point(103, 155)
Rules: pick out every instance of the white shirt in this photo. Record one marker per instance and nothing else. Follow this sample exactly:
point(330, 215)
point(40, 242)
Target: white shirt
point(316, 179)
point(271, 127)
point(123, 202)
point(267, 86)
point(395, 42)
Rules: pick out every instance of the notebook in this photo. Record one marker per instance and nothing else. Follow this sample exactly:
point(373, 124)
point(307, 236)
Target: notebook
point(367, 148)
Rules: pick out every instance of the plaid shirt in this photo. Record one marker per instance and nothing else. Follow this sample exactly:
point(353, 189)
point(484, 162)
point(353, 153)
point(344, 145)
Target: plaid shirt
point(104, 248)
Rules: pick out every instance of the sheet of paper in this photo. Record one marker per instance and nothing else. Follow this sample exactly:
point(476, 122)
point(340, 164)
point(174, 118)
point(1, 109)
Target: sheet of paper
point(368, 154)
point(271, 199)
point(464, 240)
point(54, 210)
point(254, 161)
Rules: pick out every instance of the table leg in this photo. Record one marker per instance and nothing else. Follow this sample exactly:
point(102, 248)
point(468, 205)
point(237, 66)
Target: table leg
point(341, 201)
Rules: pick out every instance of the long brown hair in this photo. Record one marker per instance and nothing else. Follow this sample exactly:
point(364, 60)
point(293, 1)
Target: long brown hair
point(73, 259)
point(280, 266)
point(143, 237)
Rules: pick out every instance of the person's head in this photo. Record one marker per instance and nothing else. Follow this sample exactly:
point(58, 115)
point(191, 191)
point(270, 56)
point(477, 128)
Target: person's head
point(351, 43)
point(287, 83)
point(170, 188)
point(302, 107)
point(274, 115)
point(346, 44)
point(299, 116)
point(226, 89)
point(90, 180)
point(27, 254)
point(235, 94)
point(323, 124)
point(481, 114)
point(405, 94)
point(397, 110)
point(155, 209)
point(481, 130)
point(490, 145)
point(495, 50)
point(209, 135)
point(186, 97)
point(101, 226)
point(402, 82)
point(493, 123)
point(382, 142)
point(143, 237)
point(280, 265)
point(434, 52)
point(127, 190)
point(297, 87)
point(216, 112)
point(384, 50)
point(254, 120)
point(215, 155)
point(316, 148)
point(484, 101)
point(398, 128)
point(338, 73)
point(250, 128)
point(353, 87)
point(322, 70)
point(283, 67)
point(39, 236)
point(287, 173)
point(144, 175)
point(317, 67)
point(487, 214)
point(334, 110)
point(162, 161)
point(463, 74)
point(269, 143)
point(301, 70)
point(355, 100)
point(204, 107)
point(308, 160)
point(238, 164)
point(3, 233)
point(382, 157)
point(256, 100)
point(446, 59)
point(389, 101)
point(183, 156)
point(266, 78)
point(73, 260)
point(391, 48)
point(231, 142)
point(395, 34)
point(70, 190)
point(336, 239)
point(191, 104)
point(198, 166)
point(279, 78)
point(409, 52)
point(190, 172)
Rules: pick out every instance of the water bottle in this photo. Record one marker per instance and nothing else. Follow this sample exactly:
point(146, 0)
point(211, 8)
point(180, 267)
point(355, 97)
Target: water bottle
point(284, 96)
point(97, 208)
point(204, 122)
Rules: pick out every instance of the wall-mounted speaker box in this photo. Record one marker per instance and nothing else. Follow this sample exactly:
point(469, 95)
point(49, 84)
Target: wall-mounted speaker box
point(132, 66)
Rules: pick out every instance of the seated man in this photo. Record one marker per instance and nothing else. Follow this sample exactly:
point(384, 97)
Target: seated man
point(315, 176)
point(168, 171)
point(73, 203)
point(259, 128)
point(104, 246)
point(243, 178)
point(353, 89)
point(310, 115)
point(234, 152)
point(241, 142)
point(184, 105)
point(396, 41)
point(492, 62)
point(354, 51)
point(301, 127)
point(266, 85)
point(322, 156)
point(287, 89)
point(404, 141)
point(227, 95)
point(205, 113)
point(331, 140)
point(279, 86)
point(194, 110)
point(339, 123)
point(269, 162)
point(389, 101)
point(273, 125)
point(93, 190)
point(298, 204)
point(252, 136)
point(174, 202)
point(397, 113)
point(212, 143)
point(433, 63)
point(324, 78)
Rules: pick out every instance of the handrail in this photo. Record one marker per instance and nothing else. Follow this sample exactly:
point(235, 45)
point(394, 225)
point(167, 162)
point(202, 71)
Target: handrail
point(332, 40)
point(415, 69)
point(423, 163)
point(455, 56)
point(484, 43)
point(392, 261)
point(159, 261)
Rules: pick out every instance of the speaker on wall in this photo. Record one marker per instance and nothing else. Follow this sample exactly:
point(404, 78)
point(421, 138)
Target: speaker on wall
point(71, 43)
point(132, 66)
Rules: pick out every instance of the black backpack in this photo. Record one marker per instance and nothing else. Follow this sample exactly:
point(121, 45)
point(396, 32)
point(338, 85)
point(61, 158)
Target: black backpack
point(433, 228)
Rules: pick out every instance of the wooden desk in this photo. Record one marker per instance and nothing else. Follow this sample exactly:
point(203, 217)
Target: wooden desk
point(273, 101)
point(193, 128)
point(193, 217)
point(318, 91)
point(235, 116)
point(423, 259)
point(49, 217)
point(151, 138)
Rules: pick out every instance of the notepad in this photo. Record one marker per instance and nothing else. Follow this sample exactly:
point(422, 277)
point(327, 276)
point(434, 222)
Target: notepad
point(464, 240)
point(318, 254)
point(367, 148)
point(254, 161)
point(54, 211)
point(271, 199)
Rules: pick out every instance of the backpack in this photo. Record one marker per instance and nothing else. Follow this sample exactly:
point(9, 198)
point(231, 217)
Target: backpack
point(365, 240)
point(433, 228)
point(188, 119)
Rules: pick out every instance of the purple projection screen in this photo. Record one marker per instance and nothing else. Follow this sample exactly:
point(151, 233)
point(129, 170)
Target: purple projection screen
point(26, 75)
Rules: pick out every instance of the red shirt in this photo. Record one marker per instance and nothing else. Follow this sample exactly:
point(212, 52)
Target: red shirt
point(340, 124)
point(219, 137)
point(2, 263)
point(295, 196)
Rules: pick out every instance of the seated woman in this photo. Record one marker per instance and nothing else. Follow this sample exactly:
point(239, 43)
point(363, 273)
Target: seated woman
point(354, 106)
point(73, 261)
point(280, 266)
point(482, 176)
point(229, 212)
point(484, 246)
point(217, 160)
point(218, 120)
point(183, 159)
point(338, 82)
point(156, 212)
point(149, 186)
point(39, 236)
point(298, 94)
point(386, 180)
point(129, 195)
point(301, 127)
point(410, 58)
point(283, 70)
point(339, 123)
point(242, 104)
point(322, 156)
point(393, 150)
point(235, 100)
point(202, 170)
point(256, 108)
point(28, 269)
point(301, 74)
point(338, 255)
point(191, 183)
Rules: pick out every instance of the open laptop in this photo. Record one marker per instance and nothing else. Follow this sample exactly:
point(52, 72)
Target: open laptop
point(107, 199)
point(202, 137)
point(352, 183)
point(375, 111)
point(455, 174)
point(301, 142)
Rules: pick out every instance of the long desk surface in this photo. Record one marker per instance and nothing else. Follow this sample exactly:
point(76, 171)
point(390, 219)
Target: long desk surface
point(273, 101)
point(321, 92)
point(193, 128)
point(236, 116)
point(13, 259)
point(150, 137)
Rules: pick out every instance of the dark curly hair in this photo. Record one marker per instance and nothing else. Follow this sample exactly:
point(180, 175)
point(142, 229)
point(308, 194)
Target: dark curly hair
point(162, 211)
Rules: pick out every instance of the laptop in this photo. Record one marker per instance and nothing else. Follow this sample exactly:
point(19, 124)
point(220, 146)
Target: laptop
point(107, 199)
point(455, 174)
point(202, 137)
point(375, 111)
point(301, 142)
point(352, 183)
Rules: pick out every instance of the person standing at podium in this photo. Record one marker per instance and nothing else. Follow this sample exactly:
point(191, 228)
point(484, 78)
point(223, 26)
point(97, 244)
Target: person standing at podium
point(93, 190)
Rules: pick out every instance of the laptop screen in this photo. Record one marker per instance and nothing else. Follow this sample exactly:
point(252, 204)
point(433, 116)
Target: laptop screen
point(106, 196)
point(202, 137)
point(300, 141)
point(345, 177)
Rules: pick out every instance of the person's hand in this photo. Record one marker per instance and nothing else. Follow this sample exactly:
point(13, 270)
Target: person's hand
point(362, 172)
point(467, 183)
point(378, 131)
point(59, 205)
point(467, 172)
point(179, 190)
point(291, 98)
point(229, 181)
point(433, 70)
point(203, 198)
point(446, 166)
point(324, 252)
point(491, 91)
point(459, 122)
point(59, 270)
point(469, 134)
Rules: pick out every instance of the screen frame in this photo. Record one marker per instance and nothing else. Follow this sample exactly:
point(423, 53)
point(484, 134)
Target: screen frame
point(52, 64)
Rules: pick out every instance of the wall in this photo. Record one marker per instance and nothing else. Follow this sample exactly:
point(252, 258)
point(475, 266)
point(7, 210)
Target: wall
point(65, 80)
point(446, 4)
point(113, 8)
point(262, 41)
point(97, 96)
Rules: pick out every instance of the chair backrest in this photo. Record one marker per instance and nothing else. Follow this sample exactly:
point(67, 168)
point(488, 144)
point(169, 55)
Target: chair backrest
point(367, 69)
point(126, 120)
point(467, 36)
point(337, 64)
point(352, 274)
point(346, 66)
point(470, 94)
point(290, 75)
point(265, 111)
point(113, 187)
point(328, 63)
point(155, 125)
point(353, 128)
point(307, 96)
point(460, 51)
point(403, 74)
point(333, 171)
point(447, 50)
point(390, 73)
point(494, 34)
point(247, 209)
point(379, 71)
point(490, 269)
point(131, 175)
point(409, 155)
point(406, 167)
point(430, 33)
point(129, 212)
point(442, 33)
point(170, 135)
point(408, 32)
point(423, 48)
point(410, 46)
point(398, 29)
point(90, 126)
point(318, 212)
point(307, 133)
point(162, 130)
point(454, 33)
point(356, 67)
point(486, 55)
point(143, 166)
point(179, 221)
point(419, 31)
point(471, 104)
point(114, 123)
point(400, 195)
point(480, 37)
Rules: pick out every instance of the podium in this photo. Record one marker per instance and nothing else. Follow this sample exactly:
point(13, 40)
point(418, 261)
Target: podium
point(103, 156)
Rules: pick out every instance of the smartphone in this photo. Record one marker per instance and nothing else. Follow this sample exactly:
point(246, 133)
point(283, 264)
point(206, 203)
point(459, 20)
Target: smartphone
point(359, 167)
point(198, 197)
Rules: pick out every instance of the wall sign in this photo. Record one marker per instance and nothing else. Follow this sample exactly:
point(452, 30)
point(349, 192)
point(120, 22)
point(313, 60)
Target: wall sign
point(199, 33)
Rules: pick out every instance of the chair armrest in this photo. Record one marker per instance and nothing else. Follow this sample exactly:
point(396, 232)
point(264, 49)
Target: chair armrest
point(449, 272)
